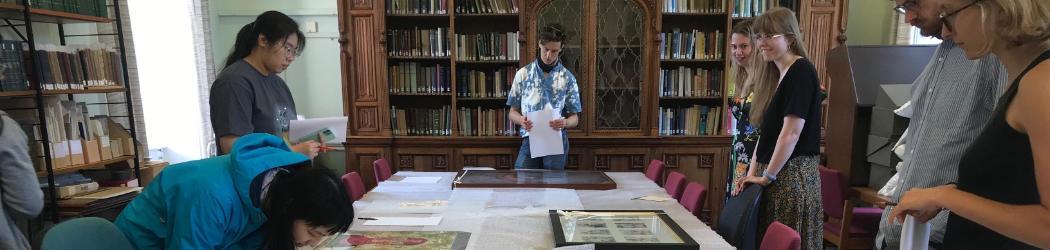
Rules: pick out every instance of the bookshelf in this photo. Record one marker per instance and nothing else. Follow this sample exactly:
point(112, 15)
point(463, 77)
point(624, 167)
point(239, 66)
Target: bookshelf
point(56, 77)
point(614, 51)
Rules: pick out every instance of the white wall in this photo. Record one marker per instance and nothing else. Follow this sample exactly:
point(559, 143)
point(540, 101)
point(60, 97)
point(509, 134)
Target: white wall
point(167, 70)
point(314, 77)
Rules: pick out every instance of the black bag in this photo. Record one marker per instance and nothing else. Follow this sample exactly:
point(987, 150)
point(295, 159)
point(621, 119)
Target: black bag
point(738, 223)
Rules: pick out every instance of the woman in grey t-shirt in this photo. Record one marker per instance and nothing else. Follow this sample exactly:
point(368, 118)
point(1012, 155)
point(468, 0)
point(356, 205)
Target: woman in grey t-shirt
point(248, 96)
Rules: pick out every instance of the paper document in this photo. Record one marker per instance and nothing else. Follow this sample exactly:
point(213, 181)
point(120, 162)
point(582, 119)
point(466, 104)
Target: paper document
point(404, 221)
point(914, 235)
point(310, 127)
point(652, 198)
point(421, 179)
point(544, 140)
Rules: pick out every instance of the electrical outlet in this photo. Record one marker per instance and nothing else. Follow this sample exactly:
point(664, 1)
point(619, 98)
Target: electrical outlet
point(310, 26)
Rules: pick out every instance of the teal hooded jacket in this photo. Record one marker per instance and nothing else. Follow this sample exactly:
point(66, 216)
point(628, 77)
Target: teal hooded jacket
point(206, 204)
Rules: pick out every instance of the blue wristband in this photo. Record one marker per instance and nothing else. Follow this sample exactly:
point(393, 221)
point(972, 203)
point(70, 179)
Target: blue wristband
point(771, 178)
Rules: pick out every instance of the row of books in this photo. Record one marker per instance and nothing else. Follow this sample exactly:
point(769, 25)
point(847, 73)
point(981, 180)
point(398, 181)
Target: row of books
point(695, 6)
point(485, 83)
point(421, 121)
point(488, 47)
point(486, 6)
point(751, 8)
point(418, 42)
point(693, 44)
point(416, 7)
point(485, 122)
point(84, 7)
point(11, 70)
point(690, 82)
point(691, 121)
point(416, 78)
point(78, 67)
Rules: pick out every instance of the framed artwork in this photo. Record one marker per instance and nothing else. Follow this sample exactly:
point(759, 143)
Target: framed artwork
point(579, 180)
point(619, 229)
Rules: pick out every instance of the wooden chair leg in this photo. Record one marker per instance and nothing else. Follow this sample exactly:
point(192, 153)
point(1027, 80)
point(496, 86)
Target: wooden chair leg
point(847, 219)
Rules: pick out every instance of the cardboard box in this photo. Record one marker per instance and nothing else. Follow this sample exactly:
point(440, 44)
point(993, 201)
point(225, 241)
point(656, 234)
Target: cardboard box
point(115, 148)
point(91, 151)
point(60, 155)
point(105, 150)
point(150, 170)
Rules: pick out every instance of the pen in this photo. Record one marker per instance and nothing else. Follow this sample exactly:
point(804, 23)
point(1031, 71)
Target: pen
point(367, 218)
point(324, 148)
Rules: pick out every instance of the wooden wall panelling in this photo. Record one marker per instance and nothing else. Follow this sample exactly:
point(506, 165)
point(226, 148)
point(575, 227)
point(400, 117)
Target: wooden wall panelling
point(824, 28)
point(360, 160)
point(620, 159)
point(421, 159)
point(498, 158)
point(705, 166)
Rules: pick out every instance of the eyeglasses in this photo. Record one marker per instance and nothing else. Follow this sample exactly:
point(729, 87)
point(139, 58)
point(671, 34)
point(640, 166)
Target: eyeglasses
point(761, 37)
point(910, 5)
point(290, 51)
point(947, 18)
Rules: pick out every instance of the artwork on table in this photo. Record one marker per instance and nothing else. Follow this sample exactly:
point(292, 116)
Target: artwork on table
point(619, 229)
point(415, 240)
point(579, 180)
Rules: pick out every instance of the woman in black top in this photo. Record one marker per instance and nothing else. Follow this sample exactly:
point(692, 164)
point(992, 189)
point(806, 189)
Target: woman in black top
point(787, 105)
point(1002, 200)
point(248, 96)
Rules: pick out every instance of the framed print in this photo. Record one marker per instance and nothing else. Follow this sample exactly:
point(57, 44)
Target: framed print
point(579, 180)
point(619, 229)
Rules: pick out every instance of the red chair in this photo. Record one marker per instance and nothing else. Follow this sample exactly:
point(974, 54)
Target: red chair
point(381, 169)
point(674, 184)
point(655, 171)
point(780, 237)
point(693, 198)
point(354, 185)
point(845, 226)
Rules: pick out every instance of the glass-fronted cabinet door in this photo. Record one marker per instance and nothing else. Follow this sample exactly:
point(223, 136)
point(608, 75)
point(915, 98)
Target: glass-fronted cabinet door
point(619, 71)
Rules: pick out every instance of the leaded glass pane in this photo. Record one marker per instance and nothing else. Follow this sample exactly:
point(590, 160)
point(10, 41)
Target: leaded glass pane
point(619, 65)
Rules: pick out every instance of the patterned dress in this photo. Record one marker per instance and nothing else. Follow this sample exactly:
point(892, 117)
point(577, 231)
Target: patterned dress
point(744, 138)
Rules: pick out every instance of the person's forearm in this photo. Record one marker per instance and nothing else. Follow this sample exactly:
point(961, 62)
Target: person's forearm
point(572, 121)
point(516, 117)
point(1027, 223)
point(226, 143)
point(786, 141)
point(751, 169)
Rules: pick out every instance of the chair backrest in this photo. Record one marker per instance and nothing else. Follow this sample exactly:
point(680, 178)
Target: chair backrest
point(88, 233)
point(781, 237)
point(831, 189)
point(738, 222)
point(655, 171)
point(674, 184)
point(382, 170)
point(693, 198)
point(354, 185)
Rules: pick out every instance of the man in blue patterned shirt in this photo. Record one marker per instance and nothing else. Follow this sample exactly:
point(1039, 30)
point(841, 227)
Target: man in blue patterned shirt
point(545, 82)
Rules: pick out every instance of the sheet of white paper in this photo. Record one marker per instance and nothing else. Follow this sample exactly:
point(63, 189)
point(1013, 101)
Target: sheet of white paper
point(421, 179)
point(404, 221)
point(300, 128)
point(914, 235)
point(544, 140)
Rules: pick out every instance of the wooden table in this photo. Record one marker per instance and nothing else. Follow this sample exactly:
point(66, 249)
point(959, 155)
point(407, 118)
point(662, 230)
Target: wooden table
point(870, 195)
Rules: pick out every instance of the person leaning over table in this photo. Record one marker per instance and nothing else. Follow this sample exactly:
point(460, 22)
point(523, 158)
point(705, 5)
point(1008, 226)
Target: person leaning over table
point(1002, 199)
point(544, 82)
point(248, 96)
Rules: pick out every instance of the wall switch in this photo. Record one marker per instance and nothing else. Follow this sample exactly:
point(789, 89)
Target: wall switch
point(310, 26)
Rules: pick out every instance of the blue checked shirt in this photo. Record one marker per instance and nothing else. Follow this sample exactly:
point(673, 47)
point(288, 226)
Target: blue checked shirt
point(952, 99)
point(532, 92)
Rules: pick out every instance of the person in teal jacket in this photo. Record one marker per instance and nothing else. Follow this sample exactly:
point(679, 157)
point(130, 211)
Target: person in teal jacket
point(262, 195)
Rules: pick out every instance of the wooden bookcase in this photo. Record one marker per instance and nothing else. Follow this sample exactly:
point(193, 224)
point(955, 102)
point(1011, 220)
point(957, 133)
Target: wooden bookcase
point(613, 50)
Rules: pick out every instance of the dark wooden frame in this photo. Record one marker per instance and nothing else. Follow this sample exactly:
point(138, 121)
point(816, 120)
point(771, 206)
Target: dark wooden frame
point(688, 242)
point(609, 184)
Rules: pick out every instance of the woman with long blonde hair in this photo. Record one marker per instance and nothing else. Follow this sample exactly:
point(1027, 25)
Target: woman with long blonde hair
point(786, 105)
point(745, 134)
point(1002, 199)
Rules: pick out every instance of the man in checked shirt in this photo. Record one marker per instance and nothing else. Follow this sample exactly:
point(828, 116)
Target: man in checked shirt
point(952, 100)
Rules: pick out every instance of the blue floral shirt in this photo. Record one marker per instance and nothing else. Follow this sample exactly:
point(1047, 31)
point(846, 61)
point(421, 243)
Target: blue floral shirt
point(532, 92)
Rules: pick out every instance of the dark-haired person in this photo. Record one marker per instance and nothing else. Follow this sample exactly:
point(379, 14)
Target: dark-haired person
point(248, 96)
point(20, 194)
point(544, 82)
point(261, 195)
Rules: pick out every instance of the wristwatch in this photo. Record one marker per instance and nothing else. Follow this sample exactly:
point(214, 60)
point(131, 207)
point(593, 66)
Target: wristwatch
point(771, 178)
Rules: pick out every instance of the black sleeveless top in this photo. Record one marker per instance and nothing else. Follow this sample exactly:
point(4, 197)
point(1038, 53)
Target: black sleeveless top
point(998, 166)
